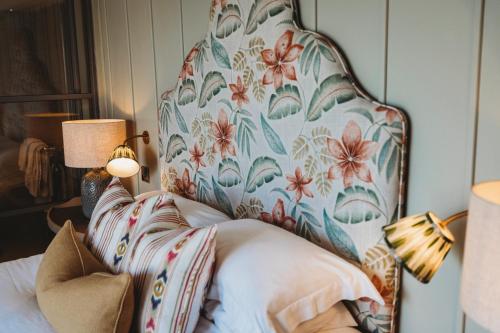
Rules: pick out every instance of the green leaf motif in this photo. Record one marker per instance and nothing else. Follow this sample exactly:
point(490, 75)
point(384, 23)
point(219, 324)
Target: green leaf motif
point(339, 239)
point(180, 120)
point(229, 173)
point(212, 85)
point(165, 110)
point(384, 155)
point(362, 112)
point(256, 46)
point(392, 164)
point(285, 102)
point(264, 169)
point(323, 183)
point(320, 135)
point(220, 54)
point(310, 166)
point(248, 76)
point(357, 204)
point(259, 91)
point(222, 200)
point(333, 90)
point(245, 134)
point(272, 137)
point(300, 148)
point(229, 21)
point(239, 60)
point(263, 9)
point(187, 92)
point(175, 147)
point(202, 190)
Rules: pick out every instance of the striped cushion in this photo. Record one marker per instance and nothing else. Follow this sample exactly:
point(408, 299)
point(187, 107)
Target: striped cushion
point(171, 264)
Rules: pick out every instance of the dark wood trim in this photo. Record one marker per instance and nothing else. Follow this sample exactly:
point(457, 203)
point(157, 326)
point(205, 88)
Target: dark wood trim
point(44, 98)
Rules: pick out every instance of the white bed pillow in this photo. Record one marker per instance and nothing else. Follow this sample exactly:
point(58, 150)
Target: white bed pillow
point(197, 214)
point(270, 280)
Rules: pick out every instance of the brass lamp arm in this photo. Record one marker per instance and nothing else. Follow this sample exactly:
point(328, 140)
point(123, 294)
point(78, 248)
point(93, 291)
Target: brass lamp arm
point(144, 136)
point(454, 217)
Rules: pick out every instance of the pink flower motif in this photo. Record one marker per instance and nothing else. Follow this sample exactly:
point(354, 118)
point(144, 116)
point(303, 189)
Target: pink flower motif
point(187, 67)
point(223, 133)
point(390, 114)
point(298, 183)
point(185, 186)
point(222, 3)
point(239, 92)
point(277, 217)
point(350, 155)
point(279, 60)
point(197, 156)
point(386, 293)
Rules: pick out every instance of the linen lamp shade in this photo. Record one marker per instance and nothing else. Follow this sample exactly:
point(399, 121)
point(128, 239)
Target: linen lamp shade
point(88, 143)
point(420, 243)
point(480, 292)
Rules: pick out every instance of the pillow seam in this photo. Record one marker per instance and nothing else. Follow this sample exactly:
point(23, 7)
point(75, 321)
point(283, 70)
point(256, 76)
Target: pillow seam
point(121, 304)
point(77, 249)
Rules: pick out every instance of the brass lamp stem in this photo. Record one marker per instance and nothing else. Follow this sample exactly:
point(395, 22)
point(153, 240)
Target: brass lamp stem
point(144, 136)
point(454, 217)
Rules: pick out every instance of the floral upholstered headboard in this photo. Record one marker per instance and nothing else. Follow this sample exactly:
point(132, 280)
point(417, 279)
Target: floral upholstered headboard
point(267, 122)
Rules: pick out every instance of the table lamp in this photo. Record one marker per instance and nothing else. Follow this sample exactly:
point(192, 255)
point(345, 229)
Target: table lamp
point(421, 243)
point(480, 291)
point(87, 144)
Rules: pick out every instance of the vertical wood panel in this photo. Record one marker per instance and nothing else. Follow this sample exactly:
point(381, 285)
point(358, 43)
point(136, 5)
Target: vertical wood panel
point(307, 13)
point(359, 28)
point(488, 129)
point(488, 140)
point(144, 87)
point(195, 15)
point(167, 31)
point(431, 73)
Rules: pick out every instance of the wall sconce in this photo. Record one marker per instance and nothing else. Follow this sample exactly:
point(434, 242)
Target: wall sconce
point(123, 161)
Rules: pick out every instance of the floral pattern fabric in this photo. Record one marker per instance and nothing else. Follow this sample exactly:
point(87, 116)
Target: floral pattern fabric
point(266, 122)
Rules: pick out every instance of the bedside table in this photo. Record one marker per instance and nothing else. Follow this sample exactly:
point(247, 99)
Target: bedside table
point(70, 210)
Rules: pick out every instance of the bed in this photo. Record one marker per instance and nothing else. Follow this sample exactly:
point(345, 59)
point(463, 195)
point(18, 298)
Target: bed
point(267, 122)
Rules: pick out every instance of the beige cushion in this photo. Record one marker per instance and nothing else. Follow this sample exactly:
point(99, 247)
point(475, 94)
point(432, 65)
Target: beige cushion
point(74, 292)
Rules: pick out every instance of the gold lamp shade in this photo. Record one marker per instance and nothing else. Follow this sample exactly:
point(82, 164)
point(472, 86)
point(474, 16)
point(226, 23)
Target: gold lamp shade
point(123, 162)
point(421, 243)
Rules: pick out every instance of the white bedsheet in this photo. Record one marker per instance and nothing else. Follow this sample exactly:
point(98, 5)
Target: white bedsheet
point(19, 311)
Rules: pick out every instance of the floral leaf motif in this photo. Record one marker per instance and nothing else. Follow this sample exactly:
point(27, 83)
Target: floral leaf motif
point(239, 60)
point(264, 169)
point(286, 101)
point(196, 128)
point(263, 9)
point(252, 209)
point(229, 173)
point(326, 157)
point(259, 91)
point(314, 47)
point(320, 134)
point(339, 239)
point(323, 183)
point(378, 259)
point(187, 92)
point(245, 134)
point(222, 200)
point(255, 46)
point(212, 85)
point(248, 76)
point(202, 190)
point(201, 56)
point(272, 137)
point(333, 90)
point(175, 147)
point(260, 64)
point(220, 54)
point(165, 111)
point(180, 120)
point(306, 230)
point(363, 112)
point(229, 21)
point(391, 165)
point(310, 166)
point(357, 204)
point(300, 148)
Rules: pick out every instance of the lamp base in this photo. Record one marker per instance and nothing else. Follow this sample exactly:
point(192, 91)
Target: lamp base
point(94, 183)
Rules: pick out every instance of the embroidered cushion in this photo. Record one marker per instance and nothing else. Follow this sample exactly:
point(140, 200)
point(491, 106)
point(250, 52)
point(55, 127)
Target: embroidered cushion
point(74, 292)
point(171, 264)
